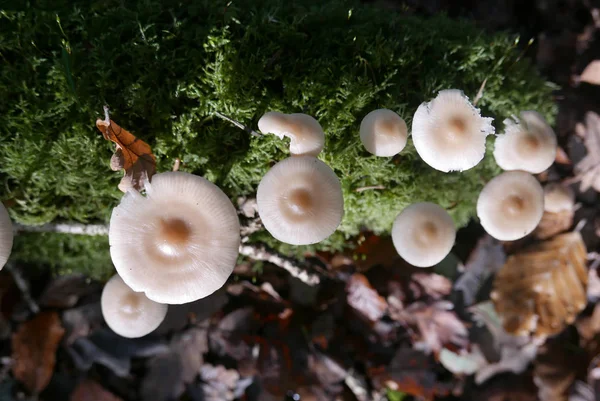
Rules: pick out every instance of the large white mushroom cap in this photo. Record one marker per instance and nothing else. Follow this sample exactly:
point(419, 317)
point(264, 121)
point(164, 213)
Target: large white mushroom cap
point(305, 133)
point(528, 144)
point(449, 132)
point(511, 205)
point(383, 133)
point(300, 201)
point(423, 234)
point(6, 235)
point(179, 243)
point(128, 313)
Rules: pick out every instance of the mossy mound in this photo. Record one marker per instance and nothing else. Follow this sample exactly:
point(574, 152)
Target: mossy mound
point(165, 68)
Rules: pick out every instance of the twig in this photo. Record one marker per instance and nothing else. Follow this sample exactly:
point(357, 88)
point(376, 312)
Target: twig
point(252, 251)
point(362, 189)
point(23, 286)
point(237, 124)
point(479, 93)
point(64, 228)
point(259, 252)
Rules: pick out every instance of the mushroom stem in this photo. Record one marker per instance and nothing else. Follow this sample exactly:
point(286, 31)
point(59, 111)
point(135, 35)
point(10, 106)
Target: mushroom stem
point(176, 164)
point(237, 124)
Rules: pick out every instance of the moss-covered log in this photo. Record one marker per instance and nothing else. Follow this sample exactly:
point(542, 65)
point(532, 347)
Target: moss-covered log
point(165, 68)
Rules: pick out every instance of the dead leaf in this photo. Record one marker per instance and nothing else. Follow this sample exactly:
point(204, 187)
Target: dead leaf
point(588, 169)
point(413, 372)
point(593, 292)
point(132, 154)
point(363, 298)
point(542, 288)
point(219, 384)
point(65, 291)
point(554, 223)
point(562, 157)
point(34, 350)
point(89, 390)
point(591, 73)
point(485, 260)
point(437, 325)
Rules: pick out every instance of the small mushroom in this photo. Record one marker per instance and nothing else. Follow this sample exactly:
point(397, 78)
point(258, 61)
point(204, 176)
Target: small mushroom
point(306, 135)
point(6, 235)
point(383, 133)
point(300, 201)
point(449, 133)
point(128, 313)
point(528, 144)
point(511, 205)
point(558, 198)
point(179, 243)
point(423, 234)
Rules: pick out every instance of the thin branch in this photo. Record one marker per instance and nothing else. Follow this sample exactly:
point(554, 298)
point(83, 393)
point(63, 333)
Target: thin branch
point(479, 93)
point(23, 286)
point(237, 124)
point(64, 228)
point(362, 189)
point(259, 252)
point(251, 251)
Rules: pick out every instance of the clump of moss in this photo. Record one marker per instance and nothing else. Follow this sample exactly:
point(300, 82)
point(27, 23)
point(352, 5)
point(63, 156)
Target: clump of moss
point(165, 68)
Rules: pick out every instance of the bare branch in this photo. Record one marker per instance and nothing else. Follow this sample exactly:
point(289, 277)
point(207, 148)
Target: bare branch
point(362, 189)
point(23, 286)
point(237, 124)
point(64, 228)
point(259, 252)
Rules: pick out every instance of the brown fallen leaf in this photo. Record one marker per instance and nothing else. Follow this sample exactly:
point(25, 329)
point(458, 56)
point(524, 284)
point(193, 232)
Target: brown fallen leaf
point(542, 288)
point(363, 298)
point(34, 350)
point(554, 223)
point(588, 169)
point(132, 154)
point(89, 390)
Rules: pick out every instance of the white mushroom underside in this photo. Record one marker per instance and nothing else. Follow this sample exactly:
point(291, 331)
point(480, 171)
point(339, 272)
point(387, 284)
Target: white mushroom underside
point(383, 133)
point(300, 201)
point(511, 205)
point(423, 234)
point(449, 133)
point(128, 313)
point(168, 272)
point(305, 133)
point(6, 235)
point(528, 144)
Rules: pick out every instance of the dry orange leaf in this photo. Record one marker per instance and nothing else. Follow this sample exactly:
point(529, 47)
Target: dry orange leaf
point(543, 288)
point(89, 390)
point(132, 154)
point(363, 298)
point(34, 350)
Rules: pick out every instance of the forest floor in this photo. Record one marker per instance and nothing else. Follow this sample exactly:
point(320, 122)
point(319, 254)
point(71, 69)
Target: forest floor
point(372, 327)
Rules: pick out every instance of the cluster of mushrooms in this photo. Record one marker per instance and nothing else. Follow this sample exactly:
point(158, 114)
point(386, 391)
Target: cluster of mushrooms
point(179, 242)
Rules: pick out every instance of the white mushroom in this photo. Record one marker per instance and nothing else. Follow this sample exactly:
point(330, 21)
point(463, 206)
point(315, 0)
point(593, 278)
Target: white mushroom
point(558, 198)
point(179, 243)
point(383, 133)
point(511, 205)
point(449, 133)
point(423, 234)
point(305, 133)
point(128, 313)
point(6, 235)
point(528, 144)
point(300, 201)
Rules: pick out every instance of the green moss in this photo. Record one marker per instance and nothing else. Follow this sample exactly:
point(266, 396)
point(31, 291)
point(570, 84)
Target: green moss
point(165, 68)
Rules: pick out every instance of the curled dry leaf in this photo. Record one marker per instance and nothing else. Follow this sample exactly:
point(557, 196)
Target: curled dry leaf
point(132, 154)
point(89, 390)
point(588, 169)
point(363, 298)
point(34, 350)
point(543, 287)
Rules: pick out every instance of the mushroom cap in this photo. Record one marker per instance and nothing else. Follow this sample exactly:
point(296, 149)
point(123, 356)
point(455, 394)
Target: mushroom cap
point(383, 133)
point(179, 243)
point(423, 234)
point(306, 134)
point(300, 201)
point(558, 198)
point(6, 235)
point(449, 132)
point(511, 205)
point(128, 313)
point(528, 144)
